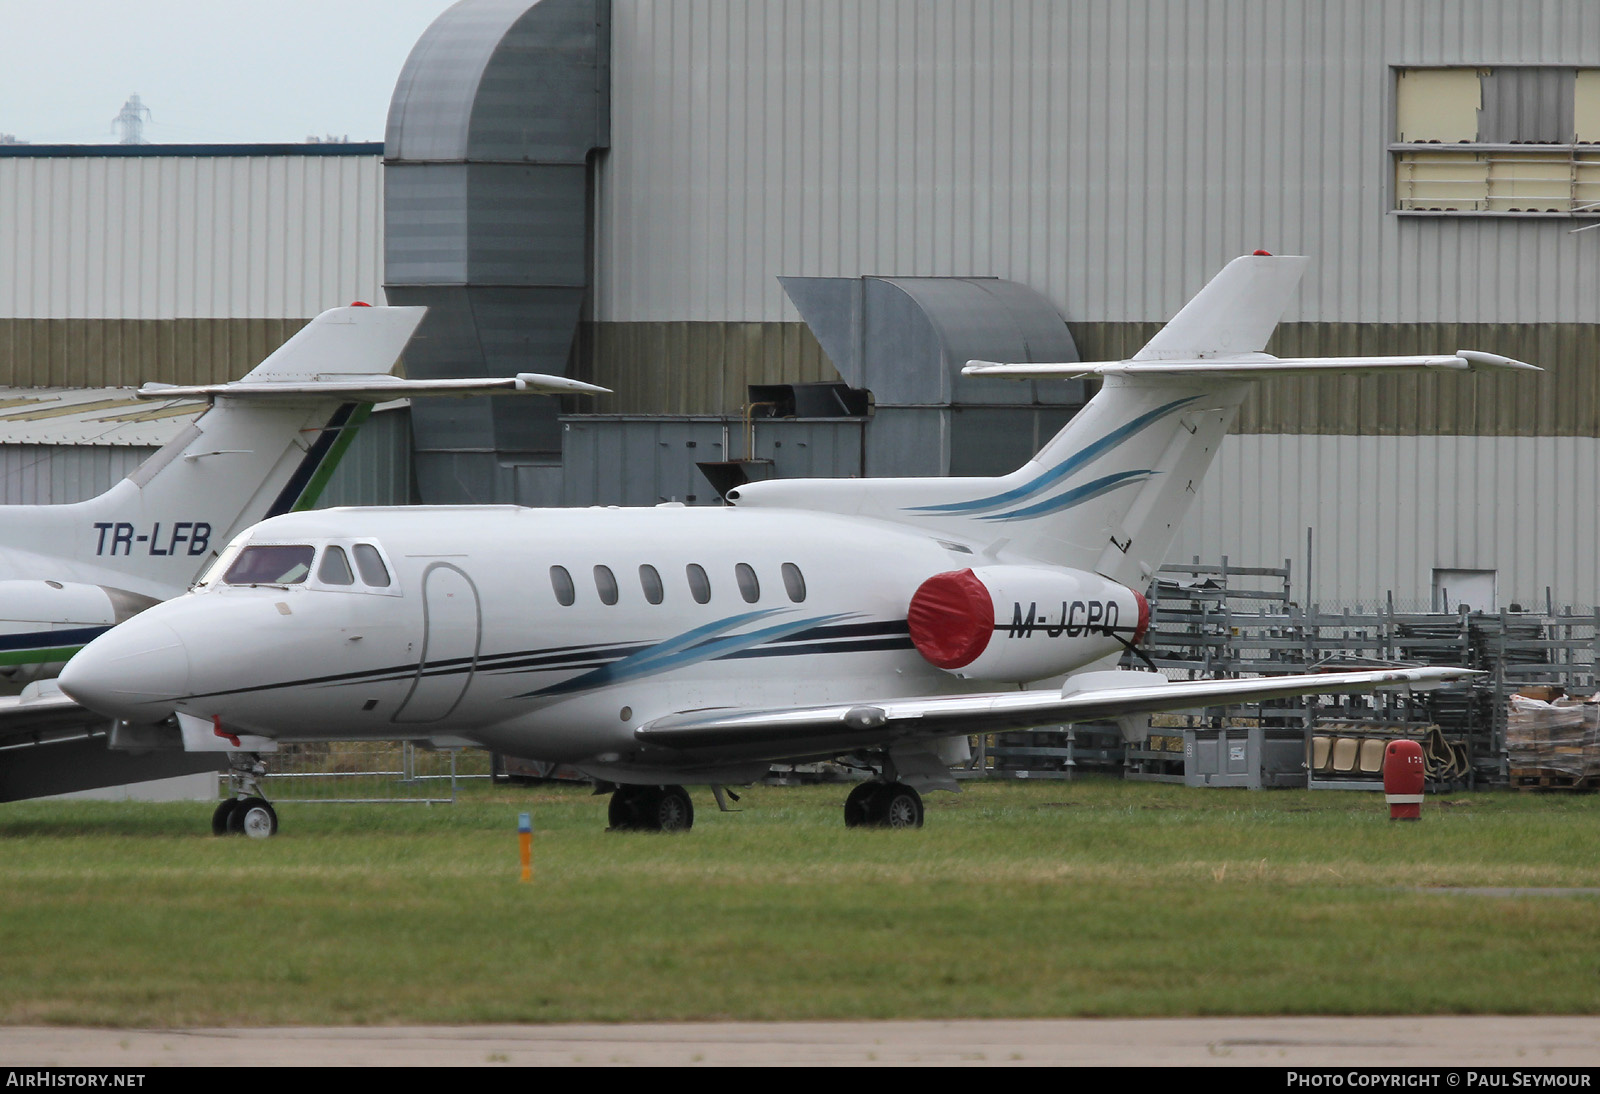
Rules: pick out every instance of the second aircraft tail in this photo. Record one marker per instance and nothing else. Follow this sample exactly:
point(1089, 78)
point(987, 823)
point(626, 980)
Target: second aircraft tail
point(1107, 493)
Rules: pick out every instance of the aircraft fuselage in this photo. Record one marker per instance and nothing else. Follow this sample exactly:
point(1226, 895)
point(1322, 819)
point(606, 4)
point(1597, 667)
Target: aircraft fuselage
point(554, 633)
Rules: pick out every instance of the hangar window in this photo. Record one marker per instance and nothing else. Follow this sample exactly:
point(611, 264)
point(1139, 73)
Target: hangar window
point(749, 587)
point(699, 583)
point(794, 582)
point(370, 563)
point(271, 565)
point(334, 568)
point(561, 582)
point(605, 583)
point(650, 581)
point(1501, 141)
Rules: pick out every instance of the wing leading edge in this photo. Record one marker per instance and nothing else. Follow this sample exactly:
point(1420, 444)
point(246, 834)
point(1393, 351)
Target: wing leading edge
point(794, 732)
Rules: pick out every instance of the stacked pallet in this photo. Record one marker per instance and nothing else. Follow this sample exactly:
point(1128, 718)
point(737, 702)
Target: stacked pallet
point(1552, 741)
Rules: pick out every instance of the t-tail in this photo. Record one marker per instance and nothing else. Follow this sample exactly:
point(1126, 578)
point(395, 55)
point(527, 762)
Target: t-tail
point(1108, 492)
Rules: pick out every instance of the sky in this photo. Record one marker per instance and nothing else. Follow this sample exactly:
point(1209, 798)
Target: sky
point(208, 71)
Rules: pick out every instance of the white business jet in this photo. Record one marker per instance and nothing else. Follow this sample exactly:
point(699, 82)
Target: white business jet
point(874, 621)
point(266, 445)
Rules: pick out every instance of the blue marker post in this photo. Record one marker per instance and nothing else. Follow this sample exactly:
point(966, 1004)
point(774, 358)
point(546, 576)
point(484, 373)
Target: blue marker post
point(525, 837)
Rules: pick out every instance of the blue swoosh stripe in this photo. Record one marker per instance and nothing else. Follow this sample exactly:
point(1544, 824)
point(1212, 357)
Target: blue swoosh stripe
point(1064, 468)
point(1075, 496)
point(689, 638)
point(689, 648)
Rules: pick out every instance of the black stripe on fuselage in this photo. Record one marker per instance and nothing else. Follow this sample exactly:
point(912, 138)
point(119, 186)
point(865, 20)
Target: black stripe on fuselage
point(842, 638)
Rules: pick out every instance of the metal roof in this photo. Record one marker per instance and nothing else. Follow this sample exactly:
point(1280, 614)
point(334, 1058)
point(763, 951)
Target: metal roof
point(109, 416)
point(120, 151)
point(90, 416)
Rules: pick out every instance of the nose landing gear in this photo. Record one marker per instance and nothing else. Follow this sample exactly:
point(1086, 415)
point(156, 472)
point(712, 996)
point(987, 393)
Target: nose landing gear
point(245, 812)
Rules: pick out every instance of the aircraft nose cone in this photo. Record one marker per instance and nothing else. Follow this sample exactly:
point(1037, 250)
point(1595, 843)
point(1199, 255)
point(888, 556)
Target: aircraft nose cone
point(132, 671)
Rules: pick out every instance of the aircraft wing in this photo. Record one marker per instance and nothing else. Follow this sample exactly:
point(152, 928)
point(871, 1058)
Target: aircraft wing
point(376, 388)
point(792, 732)
point(51, 745)
point(41, 709)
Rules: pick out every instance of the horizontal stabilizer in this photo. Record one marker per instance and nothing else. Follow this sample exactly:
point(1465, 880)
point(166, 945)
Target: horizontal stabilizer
point(376, 388)
point(1257, 366)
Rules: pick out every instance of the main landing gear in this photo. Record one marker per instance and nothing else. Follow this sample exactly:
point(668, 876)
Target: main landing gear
point(879, 804)
point(650, 809)
point(245, 812)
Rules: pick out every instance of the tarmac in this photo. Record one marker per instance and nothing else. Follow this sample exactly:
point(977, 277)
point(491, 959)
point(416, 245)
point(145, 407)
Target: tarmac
point(1345, 1043)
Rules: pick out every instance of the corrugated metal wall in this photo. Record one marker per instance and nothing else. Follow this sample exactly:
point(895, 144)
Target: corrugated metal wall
point(179, 265)
point(1112, 154)
point(1386, 511)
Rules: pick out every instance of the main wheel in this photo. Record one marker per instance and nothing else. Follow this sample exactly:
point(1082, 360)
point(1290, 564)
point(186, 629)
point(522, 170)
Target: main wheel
point(899, 806)
point(669, 809)
point(223, 815)
point(650, 809)
point(858, 807)
point(622, 815)
point(254, 817)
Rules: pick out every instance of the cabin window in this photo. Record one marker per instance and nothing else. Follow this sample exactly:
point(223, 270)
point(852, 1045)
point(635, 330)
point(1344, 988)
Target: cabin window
point(749, 587)
point(794, 582)
point(561, 582)
point(335, 568)
point(271, 565)
point(605, 583)
point(699, 583)
point(650, 580)
point(370, 563)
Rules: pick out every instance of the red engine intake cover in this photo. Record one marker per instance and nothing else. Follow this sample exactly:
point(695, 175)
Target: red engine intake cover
point(951, 618)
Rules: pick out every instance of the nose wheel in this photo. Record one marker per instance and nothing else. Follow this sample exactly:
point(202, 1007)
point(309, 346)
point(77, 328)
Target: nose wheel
point(246, 812)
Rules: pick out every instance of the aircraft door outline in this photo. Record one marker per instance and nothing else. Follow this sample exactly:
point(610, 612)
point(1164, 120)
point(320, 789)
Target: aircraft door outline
point(452, 632)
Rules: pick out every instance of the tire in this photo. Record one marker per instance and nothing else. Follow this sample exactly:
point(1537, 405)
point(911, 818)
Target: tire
point(670, 809)
point(859, 808)
point(254, 817)
point(622, 815)
point(221, 818)
point(900, 807)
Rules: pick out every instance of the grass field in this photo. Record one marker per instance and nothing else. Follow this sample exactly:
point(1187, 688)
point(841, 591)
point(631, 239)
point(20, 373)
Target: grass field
point(1095, 897)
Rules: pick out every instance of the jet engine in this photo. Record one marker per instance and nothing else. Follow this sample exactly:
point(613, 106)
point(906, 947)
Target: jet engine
point(52, 615)
point(1022, 623)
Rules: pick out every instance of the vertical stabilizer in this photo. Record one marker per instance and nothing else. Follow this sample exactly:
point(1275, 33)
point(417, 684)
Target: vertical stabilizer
point(1234, 314)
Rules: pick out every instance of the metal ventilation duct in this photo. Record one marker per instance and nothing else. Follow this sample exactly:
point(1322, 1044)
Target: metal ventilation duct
point(905, 339)
point(487, 203)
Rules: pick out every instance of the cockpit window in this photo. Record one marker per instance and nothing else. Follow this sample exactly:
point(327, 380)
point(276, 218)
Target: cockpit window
point(334, 569)
point(370, 563)
point(271, 565)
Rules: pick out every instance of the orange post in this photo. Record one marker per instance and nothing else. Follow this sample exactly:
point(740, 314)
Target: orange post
point(525, 837)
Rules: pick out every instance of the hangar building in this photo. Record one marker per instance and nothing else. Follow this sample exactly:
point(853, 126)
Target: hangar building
point(819, 208)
